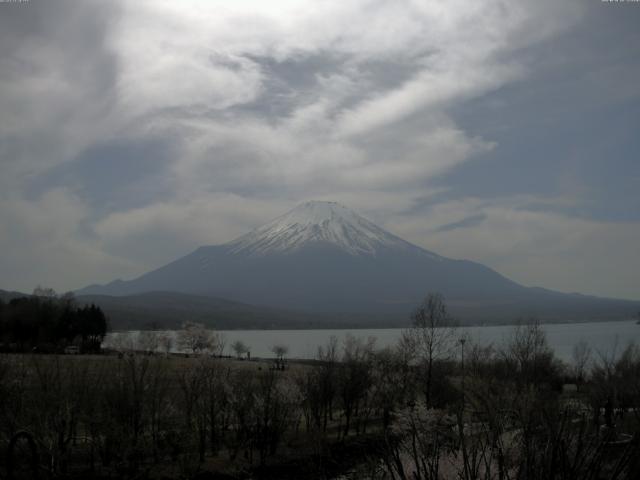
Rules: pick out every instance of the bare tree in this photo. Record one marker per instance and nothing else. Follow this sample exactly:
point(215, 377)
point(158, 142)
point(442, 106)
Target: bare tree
point(242, 406)
point(280, 351)
point(216, 396)
point(192, 387)
point(195, 337)
point(239, 348)
point(220, 342)
point(529, 353)
point(391, 382)
point(328, 357)
point(158, 403)
point(354, 376)
point(44, 292)
point(121, 341)
point(432, 335)
point(627, 379)
point(581, 357)
point(417, 444)
point(166, 342)
point(272, 412)
point(68, 299)
point(148, 341)
point(55, 404)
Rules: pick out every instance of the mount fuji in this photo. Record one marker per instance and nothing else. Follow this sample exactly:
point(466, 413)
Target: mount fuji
point(322, 257)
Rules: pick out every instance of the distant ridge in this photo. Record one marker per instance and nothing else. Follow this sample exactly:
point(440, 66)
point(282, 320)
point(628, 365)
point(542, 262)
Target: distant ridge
point(169, 310)
point(7, 296)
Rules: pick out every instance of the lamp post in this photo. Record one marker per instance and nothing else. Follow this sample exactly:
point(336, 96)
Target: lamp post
point(462, 342)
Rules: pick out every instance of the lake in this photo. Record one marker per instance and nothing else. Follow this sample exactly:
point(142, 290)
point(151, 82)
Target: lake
point(604, 337)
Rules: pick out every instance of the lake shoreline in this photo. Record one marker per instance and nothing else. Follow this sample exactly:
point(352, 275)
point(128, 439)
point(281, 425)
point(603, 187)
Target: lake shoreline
point(603, 337)
point(379, 327)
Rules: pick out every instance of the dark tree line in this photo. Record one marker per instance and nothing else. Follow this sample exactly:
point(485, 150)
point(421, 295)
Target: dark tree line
point(49, 323)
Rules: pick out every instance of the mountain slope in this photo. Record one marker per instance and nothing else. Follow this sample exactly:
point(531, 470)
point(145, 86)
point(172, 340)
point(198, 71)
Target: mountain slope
point(321, 257)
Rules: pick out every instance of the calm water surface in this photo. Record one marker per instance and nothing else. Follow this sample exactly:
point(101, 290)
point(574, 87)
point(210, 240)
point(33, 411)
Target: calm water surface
point(604, 337)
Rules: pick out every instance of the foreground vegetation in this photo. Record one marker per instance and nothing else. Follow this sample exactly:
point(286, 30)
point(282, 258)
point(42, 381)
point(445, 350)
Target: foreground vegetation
point(435, 406)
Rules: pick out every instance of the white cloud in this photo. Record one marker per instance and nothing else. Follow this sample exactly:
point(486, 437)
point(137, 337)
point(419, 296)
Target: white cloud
point(428, 90)
point(55, 94)
point(534, 247)
point(158, 233)
point(188, 67)
point(44, 241)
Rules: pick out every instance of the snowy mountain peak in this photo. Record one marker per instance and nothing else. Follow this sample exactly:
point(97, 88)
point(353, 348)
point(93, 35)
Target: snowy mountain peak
point(317, 213)
point(318, 222)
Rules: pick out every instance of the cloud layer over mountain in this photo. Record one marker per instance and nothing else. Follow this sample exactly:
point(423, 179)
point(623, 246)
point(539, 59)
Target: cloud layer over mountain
point(500, 131)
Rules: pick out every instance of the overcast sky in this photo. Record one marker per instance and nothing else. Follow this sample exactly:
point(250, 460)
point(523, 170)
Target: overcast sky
point(503, 132)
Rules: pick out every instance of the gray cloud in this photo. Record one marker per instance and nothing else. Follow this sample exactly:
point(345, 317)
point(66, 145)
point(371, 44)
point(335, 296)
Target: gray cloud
point(57, 76)
point(528, 244)
point(467, 222)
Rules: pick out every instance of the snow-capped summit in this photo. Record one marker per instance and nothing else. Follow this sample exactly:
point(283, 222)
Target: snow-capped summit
point(317, 222)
